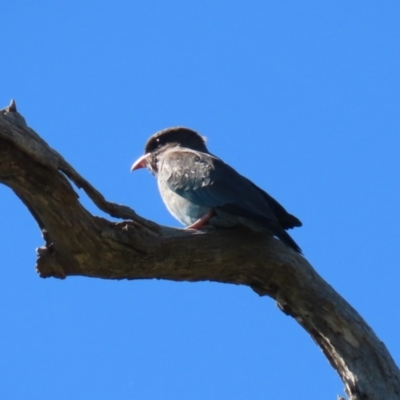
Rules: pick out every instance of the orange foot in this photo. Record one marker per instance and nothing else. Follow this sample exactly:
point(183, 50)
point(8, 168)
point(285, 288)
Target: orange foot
point(202, 221)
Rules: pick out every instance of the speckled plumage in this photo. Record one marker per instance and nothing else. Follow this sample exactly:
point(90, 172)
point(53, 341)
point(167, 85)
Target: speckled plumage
point(193, 182)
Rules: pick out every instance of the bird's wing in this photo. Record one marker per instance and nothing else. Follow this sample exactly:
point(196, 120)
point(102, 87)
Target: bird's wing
point(286, 220)
point(206, 180)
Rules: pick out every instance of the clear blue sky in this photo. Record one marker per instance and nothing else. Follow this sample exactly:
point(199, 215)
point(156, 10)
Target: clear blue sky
point(301, 97)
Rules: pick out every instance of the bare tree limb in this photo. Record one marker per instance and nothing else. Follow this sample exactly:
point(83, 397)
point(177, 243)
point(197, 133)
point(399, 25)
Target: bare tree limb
point(78, 243)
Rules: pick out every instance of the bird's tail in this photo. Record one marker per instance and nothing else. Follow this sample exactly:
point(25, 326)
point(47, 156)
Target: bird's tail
point(279, 232)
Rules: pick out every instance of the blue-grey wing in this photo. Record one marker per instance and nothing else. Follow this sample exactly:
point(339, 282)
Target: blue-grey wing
point(206, 180)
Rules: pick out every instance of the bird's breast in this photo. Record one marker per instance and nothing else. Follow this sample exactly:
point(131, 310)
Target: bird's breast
point(182, 209)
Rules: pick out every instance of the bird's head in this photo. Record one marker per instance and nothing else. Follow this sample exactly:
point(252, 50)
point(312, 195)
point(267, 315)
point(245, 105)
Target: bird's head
point(165, 139)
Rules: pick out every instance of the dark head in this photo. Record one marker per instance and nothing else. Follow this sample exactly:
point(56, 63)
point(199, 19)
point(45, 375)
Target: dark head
point(176, 136)
point(167, 138)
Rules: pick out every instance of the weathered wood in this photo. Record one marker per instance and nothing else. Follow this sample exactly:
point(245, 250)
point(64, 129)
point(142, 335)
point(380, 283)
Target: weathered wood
point(78, 243)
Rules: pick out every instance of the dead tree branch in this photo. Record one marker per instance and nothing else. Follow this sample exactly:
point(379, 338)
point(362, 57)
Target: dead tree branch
point(78, 243)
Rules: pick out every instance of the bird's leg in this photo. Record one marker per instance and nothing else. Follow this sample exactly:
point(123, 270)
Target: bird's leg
point(202, 221)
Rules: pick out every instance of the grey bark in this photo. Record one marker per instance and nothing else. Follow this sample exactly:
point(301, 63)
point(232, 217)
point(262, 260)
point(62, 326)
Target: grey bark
point(78, 243)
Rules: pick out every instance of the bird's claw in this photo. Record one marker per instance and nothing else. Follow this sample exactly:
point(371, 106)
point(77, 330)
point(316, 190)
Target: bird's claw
point(201, 221)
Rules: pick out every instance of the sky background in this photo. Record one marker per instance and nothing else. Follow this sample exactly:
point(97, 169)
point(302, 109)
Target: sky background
point(300, 97)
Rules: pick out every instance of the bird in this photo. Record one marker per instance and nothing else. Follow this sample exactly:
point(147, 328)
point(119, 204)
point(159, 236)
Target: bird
point(201, 190)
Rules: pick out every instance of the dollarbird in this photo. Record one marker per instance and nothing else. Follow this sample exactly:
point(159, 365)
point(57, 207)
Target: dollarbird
point(199, 189)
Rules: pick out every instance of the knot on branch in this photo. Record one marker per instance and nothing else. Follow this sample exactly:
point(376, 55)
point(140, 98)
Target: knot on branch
point(48, 264)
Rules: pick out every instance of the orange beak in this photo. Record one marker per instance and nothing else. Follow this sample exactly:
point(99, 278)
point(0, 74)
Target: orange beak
point(140, 162)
